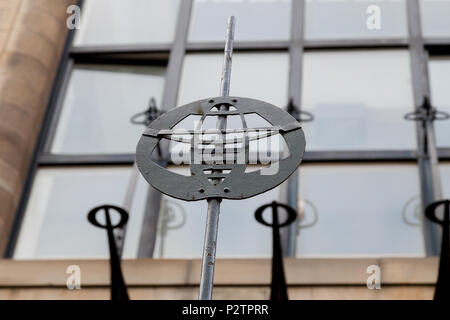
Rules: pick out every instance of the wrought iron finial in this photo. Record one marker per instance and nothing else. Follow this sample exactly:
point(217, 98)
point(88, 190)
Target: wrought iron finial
point(146, 117)
point(442, 291)
point(278, 286)
point(118, 287)
point(426, 113)
point(299, 115)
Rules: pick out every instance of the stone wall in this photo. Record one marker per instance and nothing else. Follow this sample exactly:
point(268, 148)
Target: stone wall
point(308, 279)
point(32, 37)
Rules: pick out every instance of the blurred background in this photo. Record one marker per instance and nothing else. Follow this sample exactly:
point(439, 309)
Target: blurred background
point(71, 78)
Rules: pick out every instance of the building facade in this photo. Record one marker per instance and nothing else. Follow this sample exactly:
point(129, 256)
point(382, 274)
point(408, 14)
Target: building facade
point(73, 75)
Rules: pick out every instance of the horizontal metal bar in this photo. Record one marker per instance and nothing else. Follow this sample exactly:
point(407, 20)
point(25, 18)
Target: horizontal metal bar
point(240, 46)
point(253, 45)
point(47, 159)
point(125, 61)
point(354, 43)
point(121, 49)
point(436, 41)
point(438, 49)
point(360, 156)
point(444, 153)
point(310, 156)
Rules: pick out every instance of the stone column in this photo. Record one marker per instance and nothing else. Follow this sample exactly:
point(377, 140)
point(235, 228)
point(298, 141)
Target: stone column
point(32, 37)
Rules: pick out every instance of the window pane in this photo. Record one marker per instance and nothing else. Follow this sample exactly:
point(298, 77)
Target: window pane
point(359, 99)
point(445, 179)
point(261, 76)
point(255, 19)
point(361, 210)
point(99, 102)
point(118, 22)
point(348, 19)
point(439, 70)
point(435, 18)
point(55, 223)
point(182, 227)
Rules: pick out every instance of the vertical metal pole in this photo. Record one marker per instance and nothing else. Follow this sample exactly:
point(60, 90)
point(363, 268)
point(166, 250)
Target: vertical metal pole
point(290, 188)
point(147, 239)
point(427, 159)
point(212, 219)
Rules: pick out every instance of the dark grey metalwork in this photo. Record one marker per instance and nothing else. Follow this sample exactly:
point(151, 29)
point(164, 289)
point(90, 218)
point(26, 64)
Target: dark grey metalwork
point(197, 187)
point(212, 216)
point(146, 117)
point(279, 291)
point(399, 156)
point(290, 189)
point(118, 287)
point(442, 291)
point(299, 115)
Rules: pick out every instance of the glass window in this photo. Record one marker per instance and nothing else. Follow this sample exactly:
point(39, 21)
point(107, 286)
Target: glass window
point(99, 102)
point(118, 22)
point(55, 223)
point(255, 19)
point(359, 99)
point(331, 19)
point(361, 209)
point(439, 70)
point(435, 18)
point(261, 76)
point(182, 227)
point(445, 179)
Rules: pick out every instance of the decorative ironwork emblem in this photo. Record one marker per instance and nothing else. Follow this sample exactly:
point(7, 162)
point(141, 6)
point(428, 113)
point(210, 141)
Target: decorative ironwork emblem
point(235, 182)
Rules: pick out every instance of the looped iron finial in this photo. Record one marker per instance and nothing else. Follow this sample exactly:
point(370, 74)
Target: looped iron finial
point(146, 117)
point(292, 215)
point(430, 212)
point(442, 291)
point(299, 115)
point(118, 287)
point(278, 286)
point(92, 217)
point(427, 113)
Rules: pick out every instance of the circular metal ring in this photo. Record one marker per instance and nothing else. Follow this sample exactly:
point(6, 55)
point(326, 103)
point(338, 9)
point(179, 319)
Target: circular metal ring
point(134, 119)
point(236, 184)
point(309, 117)
point(292, 215)
point(92, 216)
point(441, 115)
point(415, 116)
